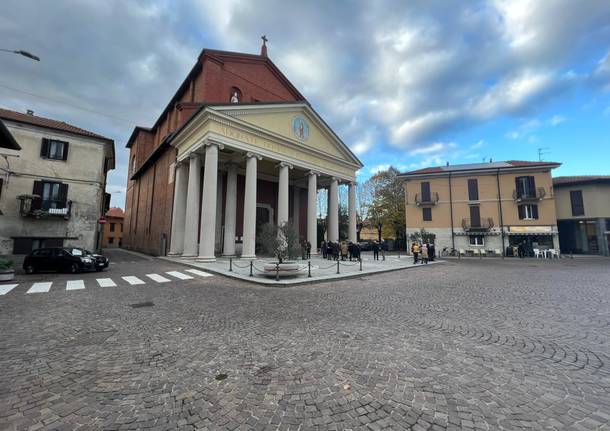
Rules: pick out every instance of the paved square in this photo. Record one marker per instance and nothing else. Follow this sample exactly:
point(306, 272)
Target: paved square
point(467, 344)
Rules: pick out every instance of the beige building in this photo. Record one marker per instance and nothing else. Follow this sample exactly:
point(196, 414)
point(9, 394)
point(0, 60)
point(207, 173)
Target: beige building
point(583, 214)
point(52, 190)
point(492, 206)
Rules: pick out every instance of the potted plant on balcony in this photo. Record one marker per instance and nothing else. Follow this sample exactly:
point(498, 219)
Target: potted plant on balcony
point(7, 271)
point(283, 243)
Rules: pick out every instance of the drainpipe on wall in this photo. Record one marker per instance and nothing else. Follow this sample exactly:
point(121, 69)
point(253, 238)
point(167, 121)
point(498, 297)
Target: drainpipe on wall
point(451, 212)
point(500, 209)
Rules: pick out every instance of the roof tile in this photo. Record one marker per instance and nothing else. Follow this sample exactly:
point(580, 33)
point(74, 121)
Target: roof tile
point(48, 123)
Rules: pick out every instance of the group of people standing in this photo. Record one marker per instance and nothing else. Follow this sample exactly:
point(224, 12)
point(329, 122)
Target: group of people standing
point(423, 253)
point(343, 250)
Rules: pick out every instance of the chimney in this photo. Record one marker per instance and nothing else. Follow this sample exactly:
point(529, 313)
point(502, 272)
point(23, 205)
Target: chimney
point(29, 112)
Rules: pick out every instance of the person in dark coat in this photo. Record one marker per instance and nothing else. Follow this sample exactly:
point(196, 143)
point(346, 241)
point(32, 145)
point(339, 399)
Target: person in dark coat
point(308, 245)
point(431, 252)
point(521, 250)
point(375, 250)
point(323, 249)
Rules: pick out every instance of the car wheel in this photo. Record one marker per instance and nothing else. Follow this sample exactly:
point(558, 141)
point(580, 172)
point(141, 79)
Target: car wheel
point(29, 269)
point(99, 269)
point(74, 268)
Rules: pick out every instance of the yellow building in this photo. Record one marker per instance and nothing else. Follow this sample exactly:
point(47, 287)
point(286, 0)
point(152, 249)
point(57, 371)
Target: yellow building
point(490, 206)
point(583, 213)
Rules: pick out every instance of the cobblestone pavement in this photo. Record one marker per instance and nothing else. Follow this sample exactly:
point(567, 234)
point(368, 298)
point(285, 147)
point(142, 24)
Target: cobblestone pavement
point(468, 344)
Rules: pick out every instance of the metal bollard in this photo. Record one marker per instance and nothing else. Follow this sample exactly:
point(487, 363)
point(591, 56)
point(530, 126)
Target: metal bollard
point(337, 266)
point(480, 255)
point(277, 272)
point(230, 264)
point(251, 264)
point(382, 254)
point(360, 259)
point(309, 269)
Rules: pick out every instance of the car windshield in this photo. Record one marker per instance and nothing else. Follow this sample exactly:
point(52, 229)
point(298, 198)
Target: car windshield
point(76, 251)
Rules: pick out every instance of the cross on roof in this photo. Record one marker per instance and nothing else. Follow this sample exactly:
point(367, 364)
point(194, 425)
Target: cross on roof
point(264, 37)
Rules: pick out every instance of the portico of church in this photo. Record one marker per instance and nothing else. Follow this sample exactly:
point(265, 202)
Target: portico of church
point(241, 166)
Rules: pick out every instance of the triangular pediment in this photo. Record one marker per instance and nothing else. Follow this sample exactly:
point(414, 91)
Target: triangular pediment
point(296, 123)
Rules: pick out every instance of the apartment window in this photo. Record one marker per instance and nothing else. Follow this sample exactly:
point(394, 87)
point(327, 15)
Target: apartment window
point(52, 195)
point(54, 149)
point(528, 212)
point(526, 187)
point(578, 207)
point(473, 190)
point(427, 214)
point(121, 224)
point(425, 192)
point(110, 240)
point(477, 240)
point(111, 227)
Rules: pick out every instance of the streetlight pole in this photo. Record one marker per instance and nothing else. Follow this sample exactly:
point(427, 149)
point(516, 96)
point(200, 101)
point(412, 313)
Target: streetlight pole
point(21, 52)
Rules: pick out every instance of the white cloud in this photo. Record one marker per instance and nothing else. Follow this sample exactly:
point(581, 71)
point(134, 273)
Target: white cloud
point(479, 144)
point(557, 120)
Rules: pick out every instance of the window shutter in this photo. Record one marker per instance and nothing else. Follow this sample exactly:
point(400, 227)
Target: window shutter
point(535, 212)
point(521, 212)
point(37, 190)
point(44, 148)
point(475, 216)
point(425, 191)
point(473, 190)
point(531, 182)
point(65, 154)
point(63, 194)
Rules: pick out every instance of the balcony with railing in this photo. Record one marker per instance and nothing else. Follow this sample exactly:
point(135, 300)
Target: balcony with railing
point(481, 225)
point(425, 200)
point(529, 195)
point(36, 207)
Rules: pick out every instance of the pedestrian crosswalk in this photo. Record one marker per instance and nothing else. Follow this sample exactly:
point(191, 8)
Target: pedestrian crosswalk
point(131, 280)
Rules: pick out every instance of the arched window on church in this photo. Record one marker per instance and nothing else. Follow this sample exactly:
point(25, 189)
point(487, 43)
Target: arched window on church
point(235, 96)
point(133, 165)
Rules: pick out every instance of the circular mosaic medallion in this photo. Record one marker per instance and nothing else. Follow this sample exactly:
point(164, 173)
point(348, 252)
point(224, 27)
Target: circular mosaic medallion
point(300, 128)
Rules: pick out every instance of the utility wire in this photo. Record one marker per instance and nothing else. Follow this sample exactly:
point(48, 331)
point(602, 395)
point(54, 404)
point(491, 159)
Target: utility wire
point(127, 121)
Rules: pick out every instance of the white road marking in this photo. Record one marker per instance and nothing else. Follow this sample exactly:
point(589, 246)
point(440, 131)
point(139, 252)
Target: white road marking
point(133, 280)
point(106, 282)
point(6, 288)
point(75, 284)
point(197, 272)
point(40, 287)
point(179, 275)
point(158, 278)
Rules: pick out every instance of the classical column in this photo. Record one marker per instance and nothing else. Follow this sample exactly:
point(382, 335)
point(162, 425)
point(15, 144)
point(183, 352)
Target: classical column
point(179, 211)
point(282, 193)
point(207, 233)
point(352, 212)
point(230, 210)
point(333, 211)
point(249, 232)
point(296, 208)
point(192, 206)
point(312, 211)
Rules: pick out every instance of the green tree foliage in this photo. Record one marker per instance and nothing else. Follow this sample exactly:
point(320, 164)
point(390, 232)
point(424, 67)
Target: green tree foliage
point(387, 202)
point(422, 236)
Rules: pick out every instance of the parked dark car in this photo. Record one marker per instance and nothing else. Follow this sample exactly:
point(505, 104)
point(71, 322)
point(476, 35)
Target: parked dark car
point(63, 259)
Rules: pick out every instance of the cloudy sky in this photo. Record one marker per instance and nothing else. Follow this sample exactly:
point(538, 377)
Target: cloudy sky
point(410, 84)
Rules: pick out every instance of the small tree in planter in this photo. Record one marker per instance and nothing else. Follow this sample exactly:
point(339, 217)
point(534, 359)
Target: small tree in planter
point(7, 272)
point(281, 241)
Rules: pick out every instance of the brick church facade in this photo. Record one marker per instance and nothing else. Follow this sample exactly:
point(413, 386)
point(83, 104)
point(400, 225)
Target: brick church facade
point(218, 84)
